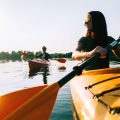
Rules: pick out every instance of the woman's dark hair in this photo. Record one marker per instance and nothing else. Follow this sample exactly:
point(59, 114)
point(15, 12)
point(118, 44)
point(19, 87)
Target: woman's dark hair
point(99, 28)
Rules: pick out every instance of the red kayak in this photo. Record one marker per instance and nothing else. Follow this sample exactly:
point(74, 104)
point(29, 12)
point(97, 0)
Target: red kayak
point(37, 63)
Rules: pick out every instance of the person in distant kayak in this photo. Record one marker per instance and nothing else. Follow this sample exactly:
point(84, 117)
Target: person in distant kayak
point(95, 41)
point(44, 55)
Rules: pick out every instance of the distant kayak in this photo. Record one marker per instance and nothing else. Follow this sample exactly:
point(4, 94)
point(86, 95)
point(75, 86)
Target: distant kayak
point(96, 95)
point(37, 63)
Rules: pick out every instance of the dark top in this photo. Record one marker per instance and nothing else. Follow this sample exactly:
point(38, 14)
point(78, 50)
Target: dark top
point(46, 56)
point(87, 44)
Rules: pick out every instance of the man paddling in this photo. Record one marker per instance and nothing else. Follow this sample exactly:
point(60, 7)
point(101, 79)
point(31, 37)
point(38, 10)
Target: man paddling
point(44, 55)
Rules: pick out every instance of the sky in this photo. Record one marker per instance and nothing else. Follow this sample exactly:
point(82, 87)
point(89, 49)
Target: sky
point(56, 24)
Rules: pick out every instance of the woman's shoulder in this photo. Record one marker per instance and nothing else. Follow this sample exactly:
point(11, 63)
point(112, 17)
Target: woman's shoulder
point(84, 39)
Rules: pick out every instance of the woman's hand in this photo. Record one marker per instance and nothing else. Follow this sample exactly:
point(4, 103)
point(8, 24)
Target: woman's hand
point(100, 50)
point(81, 55)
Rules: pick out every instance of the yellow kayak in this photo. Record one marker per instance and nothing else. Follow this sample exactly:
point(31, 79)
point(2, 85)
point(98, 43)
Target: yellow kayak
point(96, 95)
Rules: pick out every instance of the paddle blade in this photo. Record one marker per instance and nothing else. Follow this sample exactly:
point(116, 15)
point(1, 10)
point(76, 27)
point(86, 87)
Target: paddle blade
point(24, 53)
point(29, 104)
point(62, 60)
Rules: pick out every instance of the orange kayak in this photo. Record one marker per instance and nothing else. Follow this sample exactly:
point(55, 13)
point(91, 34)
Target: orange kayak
point(37, 63)
point(96, 95)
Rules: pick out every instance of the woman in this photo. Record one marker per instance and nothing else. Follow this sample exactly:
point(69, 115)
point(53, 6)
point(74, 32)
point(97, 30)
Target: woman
point(95, 41)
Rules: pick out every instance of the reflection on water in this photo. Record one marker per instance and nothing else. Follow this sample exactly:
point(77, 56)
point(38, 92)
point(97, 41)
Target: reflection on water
point(44, 71)
point(62, 68)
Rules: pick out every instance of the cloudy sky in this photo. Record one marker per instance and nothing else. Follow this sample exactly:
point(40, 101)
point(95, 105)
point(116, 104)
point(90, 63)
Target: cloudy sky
point(56, 24)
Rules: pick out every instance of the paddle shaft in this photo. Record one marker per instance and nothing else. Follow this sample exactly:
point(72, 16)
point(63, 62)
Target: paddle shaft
point(78, 70)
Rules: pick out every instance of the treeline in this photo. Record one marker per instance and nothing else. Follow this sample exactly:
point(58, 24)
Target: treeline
point(16, 56)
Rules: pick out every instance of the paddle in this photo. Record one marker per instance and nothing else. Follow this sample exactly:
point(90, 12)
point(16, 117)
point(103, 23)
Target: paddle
point(24, 53)
point(61, 60)
point(78, 69)
point(46, 98)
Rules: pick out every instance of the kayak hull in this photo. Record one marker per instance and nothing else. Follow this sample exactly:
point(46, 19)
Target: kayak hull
point(36, 64)
point(88, 102)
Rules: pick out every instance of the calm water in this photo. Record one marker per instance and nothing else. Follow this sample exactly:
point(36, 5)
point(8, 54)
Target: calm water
point(15, 76)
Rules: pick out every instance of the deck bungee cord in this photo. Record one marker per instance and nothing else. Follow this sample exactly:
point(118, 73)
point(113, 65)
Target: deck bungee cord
point(106, 91)
point(113, 111)
point(113, 78)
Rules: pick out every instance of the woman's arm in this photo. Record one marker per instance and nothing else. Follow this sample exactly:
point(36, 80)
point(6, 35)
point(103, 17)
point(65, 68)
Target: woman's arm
point(80, 55)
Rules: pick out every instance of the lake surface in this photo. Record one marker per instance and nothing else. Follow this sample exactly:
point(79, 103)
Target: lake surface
point(15, 76)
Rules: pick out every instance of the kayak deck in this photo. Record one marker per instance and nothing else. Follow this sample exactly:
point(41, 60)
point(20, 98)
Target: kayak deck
point(96, 94)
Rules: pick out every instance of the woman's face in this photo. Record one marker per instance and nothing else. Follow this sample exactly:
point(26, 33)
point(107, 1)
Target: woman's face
point(88, 22)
